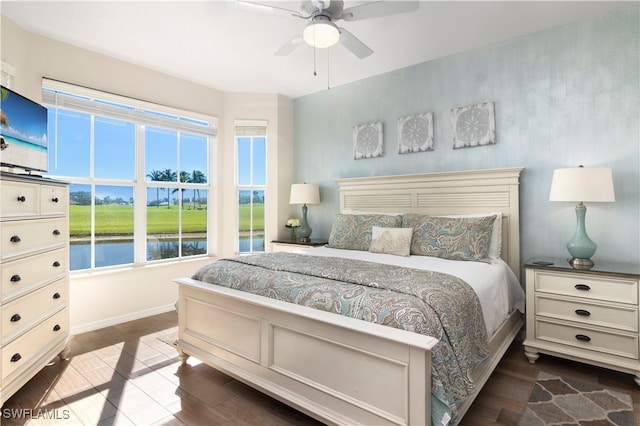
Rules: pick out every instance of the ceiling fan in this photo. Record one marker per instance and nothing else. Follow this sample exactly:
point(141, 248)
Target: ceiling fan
point(321, 30)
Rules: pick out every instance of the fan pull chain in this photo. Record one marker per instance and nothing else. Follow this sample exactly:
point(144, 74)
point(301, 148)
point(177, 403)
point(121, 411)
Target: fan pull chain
point(328, 80)
point(314, 61)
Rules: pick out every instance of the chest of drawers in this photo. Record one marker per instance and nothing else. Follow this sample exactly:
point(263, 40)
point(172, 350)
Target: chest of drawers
point(34, 279)
point(590, 316)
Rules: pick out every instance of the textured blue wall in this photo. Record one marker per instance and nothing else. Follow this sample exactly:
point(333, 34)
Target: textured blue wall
point(563, 97)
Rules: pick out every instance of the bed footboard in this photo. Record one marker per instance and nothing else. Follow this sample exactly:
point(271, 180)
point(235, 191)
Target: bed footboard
point(336, 369)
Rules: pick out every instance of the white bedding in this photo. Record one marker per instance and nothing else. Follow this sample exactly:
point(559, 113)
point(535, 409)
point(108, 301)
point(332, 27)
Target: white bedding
point(495, 283)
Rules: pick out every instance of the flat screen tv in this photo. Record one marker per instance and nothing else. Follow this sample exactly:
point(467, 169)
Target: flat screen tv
point(23, 132)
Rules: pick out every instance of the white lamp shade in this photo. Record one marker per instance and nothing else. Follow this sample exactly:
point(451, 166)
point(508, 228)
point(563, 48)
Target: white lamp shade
point(321, 33)
point(592, 184)
point(304, 193)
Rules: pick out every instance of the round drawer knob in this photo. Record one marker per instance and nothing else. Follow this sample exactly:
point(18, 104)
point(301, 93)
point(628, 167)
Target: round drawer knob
point(15, 278)
point(54, 199)
point(16, 357)
point(22, 198)
point(15, 318)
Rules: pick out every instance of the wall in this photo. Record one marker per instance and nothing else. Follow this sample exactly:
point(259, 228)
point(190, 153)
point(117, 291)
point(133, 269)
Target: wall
point(103, 298)
point(563, 97)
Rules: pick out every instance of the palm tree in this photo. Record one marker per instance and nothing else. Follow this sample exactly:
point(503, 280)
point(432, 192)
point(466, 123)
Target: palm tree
point(184, 177)
point(168, 175)
point(197, 177)
point(156, 175)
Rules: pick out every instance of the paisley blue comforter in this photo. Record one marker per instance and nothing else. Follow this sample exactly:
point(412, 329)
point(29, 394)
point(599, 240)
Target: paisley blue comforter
point(431, 303)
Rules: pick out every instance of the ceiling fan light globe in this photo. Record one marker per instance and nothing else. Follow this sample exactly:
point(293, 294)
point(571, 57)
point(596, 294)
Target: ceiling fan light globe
point(321, 34)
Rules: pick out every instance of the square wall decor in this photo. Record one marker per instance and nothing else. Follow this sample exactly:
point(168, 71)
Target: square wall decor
point(367, 141)
point(473, 125)
point(415, 133)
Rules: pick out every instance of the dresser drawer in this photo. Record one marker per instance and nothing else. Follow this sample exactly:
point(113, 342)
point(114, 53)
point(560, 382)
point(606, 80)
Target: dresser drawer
point(18, 200)
point(24, 351)
point(620, 317)
point(23, 275)
point(594, 340)
point(597, 288)
point(53, 200)
point(28, 310)
point(28, 236)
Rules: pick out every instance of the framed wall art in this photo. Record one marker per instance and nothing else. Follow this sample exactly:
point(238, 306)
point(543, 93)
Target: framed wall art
point(367, 141)
point(473, 125)
point(415, 133)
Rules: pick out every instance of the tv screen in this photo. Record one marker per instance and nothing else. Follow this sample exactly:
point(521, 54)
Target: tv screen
point(23, 132)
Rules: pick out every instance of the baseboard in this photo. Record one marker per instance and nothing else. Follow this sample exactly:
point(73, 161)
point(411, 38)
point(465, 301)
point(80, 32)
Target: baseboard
point(108, 322)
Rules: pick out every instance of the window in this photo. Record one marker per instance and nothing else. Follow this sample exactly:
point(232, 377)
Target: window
point(138, 173)
point(251, 178)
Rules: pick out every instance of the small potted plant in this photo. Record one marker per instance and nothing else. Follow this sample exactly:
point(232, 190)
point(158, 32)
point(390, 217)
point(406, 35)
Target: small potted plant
point(293, 224)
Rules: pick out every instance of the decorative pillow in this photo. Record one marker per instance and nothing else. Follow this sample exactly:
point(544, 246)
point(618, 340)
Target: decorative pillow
point(353, 232)
point(495, 246)
point(391, 240)
point(464, 238)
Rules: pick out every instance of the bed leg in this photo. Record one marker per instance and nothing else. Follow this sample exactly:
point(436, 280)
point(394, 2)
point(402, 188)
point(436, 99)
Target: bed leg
point(183, 357)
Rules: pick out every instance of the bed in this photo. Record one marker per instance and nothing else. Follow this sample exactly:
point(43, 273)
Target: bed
point(342, 370)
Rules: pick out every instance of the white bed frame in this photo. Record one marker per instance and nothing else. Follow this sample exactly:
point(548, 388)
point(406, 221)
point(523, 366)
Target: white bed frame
point(336, 369)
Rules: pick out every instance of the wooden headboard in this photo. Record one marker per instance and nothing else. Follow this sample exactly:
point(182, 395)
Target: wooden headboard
point(461, 192)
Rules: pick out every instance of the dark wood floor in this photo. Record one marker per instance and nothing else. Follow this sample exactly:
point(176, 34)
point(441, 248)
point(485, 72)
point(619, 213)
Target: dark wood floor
point(127, 374)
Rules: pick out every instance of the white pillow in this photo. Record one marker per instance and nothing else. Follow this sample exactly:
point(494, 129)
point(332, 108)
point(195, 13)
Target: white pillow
point(396, 241)
point(495, 245)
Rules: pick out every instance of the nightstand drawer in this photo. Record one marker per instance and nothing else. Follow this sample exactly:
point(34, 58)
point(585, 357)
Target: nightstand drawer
point(621, 317)
point(597, 288)
point(588, 339)
point(53, 200)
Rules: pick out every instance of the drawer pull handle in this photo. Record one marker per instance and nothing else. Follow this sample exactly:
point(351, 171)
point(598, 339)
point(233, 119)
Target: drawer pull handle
point(582, 287)
point(22, 198)
point(56, 327)
point(15, 278)
point(15, 318)
point(16, 357)
point(56, 295)
point(56, 264)
point(56, 232)
point(54, 199)
point(583, 337)
point(15, 239)
point(583, 312)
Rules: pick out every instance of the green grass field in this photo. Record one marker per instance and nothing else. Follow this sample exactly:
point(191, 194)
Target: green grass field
point(115, 219)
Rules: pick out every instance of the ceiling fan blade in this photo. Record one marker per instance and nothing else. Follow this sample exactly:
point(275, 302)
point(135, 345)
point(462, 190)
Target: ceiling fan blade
point(378, 8)
point(289, 46)
point(354, 44)
point(272, 7)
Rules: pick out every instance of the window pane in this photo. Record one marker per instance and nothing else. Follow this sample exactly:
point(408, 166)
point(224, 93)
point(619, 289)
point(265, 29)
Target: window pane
point(258, 220)
point(161, 155)
point(69, 153)
point(194, 222)
point(193, 157)
point(80, 226)
point(113, 225)
point(259, 161)
point(244, 161)
point(162, 224)
point(114, 149)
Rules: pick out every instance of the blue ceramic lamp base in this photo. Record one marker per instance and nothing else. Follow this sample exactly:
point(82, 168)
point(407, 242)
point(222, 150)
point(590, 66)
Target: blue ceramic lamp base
point(304, 231)
point(581, 247)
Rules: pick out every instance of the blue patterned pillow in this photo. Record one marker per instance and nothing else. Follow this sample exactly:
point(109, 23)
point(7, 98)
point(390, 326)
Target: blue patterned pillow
point(454, 238)
point(353, 231)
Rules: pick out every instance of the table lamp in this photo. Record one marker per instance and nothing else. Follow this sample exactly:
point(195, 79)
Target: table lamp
point(590, 184)
point(304, 193)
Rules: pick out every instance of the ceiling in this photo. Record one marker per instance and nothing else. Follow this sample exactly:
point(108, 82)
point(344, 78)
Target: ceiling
point(226, 46)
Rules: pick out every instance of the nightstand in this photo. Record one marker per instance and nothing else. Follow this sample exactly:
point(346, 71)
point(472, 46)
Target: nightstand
point(589, 316)
point(295, 246)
